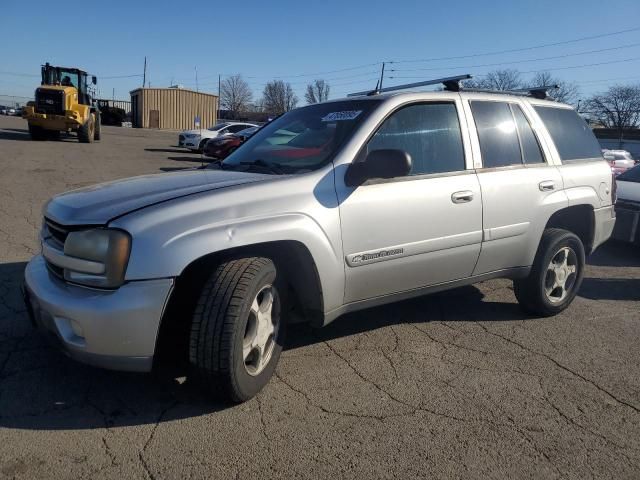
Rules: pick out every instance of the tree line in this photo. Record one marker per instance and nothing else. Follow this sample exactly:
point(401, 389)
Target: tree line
point(618, 107)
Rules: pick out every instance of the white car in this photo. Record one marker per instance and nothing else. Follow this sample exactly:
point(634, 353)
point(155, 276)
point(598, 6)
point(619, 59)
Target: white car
point(620, 160)
point(195, 139)
point(11, 111)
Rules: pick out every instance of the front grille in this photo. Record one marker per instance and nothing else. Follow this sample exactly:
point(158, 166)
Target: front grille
point(50, 101)
point(56, 232)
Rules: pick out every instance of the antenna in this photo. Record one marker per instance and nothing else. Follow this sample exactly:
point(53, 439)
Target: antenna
point(450, 83)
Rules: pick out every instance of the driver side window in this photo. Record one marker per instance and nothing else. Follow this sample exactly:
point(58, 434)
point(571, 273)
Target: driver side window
point(428, 132)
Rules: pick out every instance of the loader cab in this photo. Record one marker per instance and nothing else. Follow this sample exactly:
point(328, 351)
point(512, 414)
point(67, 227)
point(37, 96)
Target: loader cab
point(70, 77)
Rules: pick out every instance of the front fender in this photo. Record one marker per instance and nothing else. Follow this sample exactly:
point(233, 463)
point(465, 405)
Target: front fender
point(165, 243)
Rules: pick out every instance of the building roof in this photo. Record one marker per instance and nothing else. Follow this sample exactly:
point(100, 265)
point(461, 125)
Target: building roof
point(173, 90)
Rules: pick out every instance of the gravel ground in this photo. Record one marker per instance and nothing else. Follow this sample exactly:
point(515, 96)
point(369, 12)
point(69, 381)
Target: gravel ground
point(458, 384)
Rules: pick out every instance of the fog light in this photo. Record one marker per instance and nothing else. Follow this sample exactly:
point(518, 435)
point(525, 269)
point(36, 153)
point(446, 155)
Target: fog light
point(77, 328)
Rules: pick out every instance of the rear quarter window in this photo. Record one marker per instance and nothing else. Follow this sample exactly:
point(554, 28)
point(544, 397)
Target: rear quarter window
point(571, 135)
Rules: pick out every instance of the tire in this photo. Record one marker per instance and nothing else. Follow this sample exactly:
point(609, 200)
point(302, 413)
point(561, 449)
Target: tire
point(560, 260)
point(202, 144)
point(37, 133)
point(98, 129)
point(53, 134)
point(226, 326)
point(86, 133)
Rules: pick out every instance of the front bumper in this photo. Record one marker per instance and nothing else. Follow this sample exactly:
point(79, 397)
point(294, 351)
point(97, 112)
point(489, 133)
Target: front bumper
point(190, 143)
point(114, 329)
point(69, 120)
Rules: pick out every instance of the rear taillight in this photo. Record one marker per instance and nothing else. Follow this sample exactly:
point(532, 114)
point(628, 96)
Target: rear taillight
point(614, 188)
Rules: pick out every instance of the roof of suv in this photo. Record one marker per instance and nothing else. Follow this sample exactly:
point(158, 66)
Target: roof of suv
point(417, 95)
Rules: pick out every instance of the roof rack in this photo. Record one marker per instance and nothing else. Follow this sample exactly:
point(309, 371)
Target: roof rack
point(450, 83)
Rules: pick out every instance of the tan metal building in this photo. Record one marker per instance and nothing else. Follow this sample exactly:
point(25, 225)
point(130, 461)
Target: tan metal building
point(172, 108)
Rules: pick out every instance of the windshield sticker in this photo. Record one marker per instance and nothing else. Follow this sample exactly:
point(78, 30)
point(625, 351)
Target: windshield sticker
point(338, 116)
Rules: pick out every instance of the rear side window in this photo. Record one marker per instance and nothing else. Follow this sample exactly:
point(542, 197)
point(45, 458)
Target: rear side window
point(531, 152)
point(497, 134)
point(429, 132)
point(571, 135)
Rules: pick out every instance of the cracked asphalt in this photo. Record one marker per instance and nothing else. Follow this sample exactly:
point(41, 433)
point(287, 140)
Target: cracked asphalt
point(455, 385)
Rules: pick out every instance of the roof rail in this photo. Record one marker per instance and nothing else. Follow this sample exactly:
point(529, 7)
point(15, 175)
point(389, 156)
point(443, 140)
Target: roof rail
point(538, 92)
point(450, 83)
point(535, 92)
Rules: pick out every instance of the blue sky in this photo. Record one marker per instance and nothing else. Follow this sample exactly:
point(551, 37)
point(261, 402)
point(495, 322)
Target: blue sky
point(287, 39)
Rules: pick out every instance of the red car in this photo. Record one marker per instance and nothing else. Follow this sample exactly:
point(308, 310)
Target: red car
point(222, 147)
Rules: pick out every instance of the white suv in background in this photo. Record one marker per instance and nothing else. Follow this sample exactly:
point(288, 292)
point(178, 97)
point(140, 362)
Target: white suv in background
point(196, 139)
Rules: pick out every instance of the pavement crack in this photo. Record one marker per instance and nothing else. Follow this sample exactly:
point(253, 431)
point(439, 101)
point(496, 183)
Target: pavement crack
point(143, 450)
point(563, 367)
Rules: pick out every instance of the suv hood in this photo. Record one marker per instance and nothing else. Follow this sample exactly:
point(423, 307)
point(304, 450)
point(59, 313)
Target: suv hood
point(98, 204)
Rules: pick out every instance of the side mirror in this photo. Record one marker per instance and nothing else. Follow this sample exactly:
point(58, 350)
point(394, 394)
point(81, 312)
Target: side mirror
point(379, 164)
point(94, 80)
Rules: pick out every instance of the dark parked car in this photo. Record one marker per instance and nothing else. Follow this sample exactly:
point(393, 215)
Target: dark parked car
point(222, 147)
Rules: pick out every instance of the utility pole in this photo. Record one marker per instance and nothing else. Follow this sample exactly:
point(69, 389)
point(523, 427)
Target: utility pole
point(218, 112)
point(144, 75)
point(113, 95)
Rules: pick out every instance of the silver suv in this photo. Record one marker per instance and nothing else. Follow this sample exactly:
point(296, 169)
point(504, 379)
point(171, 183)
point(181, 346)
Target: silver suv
point(368, 200)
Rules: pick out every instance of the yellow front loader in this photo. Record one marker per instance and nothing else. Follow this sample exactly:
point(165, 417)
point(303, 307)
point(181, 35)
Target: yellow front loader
point(64, 102)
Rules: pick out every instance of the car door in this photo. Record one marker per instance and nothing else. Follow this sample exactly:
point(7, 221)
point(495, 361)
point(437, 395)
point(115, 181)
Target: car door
point(520, 188)
point(410, 232)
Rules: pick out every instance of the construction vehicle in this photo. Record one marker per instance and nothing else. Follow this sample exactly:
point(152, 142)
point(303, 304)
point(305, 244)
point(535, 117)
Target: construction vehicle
point(64, 102)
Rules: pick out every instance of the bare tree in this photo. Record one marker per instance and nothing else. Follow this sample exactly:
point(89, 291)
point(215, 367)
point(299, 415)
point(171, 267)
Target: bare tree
point(317, 92)
point(235, 95)
point(497, 80)
point(618, 108)
point(278, 97)
point(567, 92)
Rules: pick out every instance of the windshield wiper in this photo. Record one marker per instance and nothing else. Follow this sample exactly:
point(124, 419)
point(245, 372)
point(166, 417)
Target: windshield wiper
point(271, 167)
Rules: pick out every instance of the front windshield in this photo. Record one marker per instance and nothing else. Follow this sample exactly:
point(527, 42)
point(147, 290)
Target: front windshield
point(302, 140)
point(218, 127)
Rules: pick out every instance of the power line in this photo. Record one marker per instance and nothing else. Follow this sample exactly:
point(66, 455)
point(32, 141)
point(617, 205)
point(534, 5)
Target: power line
point(520, 61)
point(544, 69)
point(522, 49)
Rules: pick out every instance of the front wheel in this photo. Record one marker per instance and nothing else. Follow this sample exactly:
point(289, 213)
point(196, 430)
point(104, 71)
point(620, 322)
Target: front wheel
point(86, 132)
point(556, 275)
point(237, 330)
point(37, 133)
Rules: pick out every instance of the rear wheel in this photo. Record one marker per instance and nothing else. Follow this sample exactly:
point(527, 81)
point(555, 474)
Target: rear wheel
point(237, 329)
point(556, 274)
point(98, 129)
point(203, 142)
point(86, 133)
point(37, 133)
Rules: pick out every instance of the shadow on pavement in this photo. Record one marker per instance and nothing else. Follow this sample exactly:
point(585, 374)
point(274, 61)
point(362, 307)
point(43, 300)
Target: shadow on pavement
point(194, 158)
point(627, 289)
point(166, 150)
point(616, 254)
point(177, 169)
point(14, 134)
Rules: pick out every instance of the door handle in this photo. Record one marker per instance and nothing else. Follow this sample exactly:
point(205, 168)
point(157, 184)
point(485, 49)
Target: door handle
point(547, 186)
point(464, 196)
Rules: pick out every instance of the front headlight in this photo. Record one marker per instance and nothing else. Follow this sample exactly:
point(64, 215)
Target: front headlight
point(106, 252)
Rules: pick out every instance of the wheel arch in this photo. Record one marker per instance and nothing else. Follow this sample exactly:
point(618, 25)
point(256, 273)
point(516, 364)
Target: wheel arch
point(290, 256)
point(578, 219)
